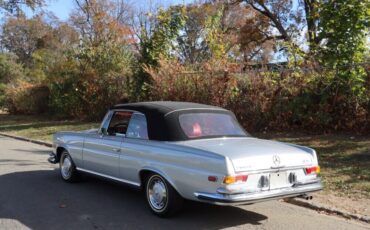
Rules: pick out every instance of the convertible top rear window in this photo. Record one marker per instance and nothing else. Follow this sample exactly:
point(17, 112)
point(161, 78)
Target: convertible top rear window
point(202, 125)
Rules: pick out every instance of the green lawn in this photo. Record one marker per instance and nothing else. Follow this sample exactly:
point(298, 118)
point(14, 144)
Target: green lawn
point(39, 128)
point(344, 158)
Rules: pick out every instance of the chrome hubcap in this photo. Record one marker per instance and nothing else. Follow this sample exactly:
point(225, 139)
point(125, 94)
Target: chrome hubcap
point(157, 193)
point(66, 167)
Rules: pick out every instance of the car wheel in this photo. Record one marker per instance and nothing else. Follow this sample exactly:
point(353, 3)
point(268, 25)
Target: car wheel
point(67, 168)
point(162, 198)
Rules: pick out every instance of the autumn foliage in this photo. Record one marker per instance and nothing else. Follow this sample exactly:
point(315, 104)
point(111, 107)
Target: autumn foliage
point(277, 64)
point(265, 99)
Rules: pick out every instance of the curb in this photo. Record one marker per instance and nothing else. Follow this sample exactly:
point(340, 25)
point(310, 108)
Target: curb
point(48, 144)
point(347, 215)
point(316, 207)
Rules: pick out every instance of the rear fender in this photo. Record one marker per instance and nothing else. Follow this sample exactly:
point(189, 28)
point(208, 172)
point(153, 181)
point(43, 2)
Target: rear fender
point(161, 173)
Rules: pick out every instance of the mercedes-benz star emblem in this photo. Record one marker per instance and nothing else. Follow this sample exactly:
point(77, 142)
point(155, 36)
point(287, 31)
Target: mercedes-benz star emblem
point(276, 160)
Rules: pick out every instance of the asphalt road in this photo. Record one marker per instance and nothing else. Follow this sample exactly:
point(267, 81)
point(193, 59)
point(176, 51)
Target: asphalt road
point(33, 196)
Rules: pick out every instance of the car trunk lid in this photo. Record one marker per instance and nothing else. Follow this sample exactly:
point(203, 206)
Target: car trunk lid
point(249, 154)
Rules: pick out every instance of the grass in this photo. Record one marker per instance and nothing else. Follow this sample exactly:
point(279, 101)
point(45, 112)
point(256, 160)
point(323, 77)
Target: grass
point(344, 158)
point(39, 127)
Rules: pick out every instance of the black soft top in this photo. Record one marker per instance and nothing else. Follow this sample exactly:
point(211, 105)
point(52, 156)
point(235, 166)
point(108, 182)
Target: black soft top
point(162, 116)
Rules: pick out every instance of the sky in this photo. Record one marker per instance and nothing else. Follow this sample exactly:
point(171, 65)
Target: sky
point(62, 8)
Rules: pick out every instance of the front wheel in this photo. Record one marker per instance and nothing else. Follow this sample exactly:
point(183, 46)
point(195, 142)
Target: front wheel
point(162, 198)
point(67, 168)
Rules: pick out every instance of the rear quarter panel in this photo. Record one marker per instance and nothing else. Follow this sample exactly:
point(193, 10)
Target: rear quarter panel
point(186, 169)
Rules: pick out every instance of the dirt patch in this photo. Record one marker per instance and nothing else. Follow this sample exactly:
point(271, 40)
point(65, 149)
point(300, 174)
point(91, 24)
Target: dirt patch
point(330, 203)
point(353, 205)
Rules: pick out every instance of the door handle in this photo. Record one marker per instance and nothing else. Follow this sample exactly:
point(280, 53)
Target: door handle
point(116, 150)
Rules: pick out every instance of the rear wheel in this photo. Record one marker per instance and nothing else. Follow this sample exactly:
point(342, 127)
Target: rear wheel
point(67, 168)
point(163, 200)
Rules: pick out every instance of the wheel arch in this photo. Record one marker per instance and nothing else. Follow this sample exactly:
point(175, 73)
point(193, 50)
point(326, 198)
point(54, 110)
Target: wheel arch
point(145, 172)
point(59, 151)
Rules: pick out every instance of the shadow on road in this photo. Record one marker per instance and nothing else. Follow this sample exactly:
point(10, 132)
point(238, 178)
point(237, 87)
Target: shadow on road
point(41, 200)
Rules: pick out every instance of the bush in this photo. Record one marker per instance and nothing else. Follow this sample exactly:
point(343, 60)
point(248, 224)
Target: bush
point(304, 97)
point(9, 68)
point(175, 82)
point(26, 98)
point(2, 95)
point(87, 97)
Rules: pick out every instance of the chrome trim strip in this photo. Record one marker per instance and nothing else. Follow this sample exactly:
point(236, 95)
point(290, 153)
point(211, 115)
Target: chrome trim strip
point(194, 109)
point(109, 177)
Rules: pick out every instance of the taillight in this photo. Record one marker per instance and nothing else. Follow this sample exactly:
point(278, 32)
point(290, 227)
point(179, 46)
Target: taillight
point(212, 178)
point(311, 170)
point(234, 179)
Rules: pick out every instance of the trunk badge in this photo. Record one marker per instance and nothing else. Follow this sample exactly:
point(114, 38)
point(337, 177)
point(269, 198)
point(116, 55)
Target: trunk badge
point(276, 160)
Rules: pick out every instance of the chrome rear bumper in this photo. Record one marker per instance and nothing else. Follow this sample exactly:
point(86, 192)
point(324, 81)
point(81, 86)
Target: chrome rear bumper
point(250, 198)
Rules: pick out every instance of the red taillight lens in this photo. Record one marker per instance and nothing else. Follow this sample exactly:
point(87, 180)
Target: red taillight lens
point(234, 179)
point(314, 169)
point(242, 178)
point(212, 178)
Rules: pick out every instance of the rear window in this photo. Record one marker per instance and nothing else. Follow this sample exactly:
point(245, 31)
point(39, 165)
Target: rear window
point(202, 125)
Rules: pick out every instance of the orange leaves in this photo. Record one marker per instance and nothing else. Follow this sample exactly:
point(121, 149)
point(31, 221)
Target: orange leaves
point(100, 21)
point(26, 98)
point(173, 81)
point(261, 98)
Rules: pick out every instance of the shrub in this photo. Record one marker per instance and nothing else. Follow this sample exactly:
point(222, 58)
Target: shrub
point(290, 98)
point(9, 68)
point(175, 82)
point(26, 98)
point(2, 95)
point(87, 96)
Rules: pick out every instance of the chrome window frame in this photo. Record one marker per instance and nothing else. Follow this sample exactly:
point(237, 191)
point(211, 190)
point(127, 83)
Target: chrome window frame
point(108, 117)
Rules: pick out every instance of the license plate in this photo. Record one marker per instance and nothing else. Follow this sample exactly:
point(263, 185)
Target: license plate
point(278, 180)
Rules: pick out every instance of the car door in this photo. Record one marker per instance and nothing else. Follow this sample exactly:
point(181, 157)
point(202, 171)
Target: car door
point(134, 148)
point(102, 151)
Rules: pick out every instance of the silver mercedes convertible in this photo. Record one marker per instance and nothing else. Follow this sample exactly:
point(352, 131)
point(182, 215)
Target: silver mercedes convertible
point(179, 150)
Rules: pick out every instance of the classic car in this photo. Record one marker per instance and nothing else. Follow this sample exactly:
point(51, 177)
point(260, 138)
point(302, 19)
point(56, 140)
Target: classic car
point(177, 151)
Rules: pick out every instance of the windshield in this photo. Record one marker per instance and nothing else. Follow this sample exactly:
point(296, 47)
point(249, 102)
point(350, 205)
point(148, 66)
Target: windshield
point(200, 125)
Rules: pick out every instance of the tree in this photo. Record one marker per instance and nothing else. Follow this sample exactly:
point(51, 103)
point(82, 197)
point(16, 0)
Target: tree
point(312, 16)
point(94, 74)
point(23, 36)
point(14, 6)
point(104, 45)
point(192, 46)
point(283, 21)
point(281, 24)
point(344, 25)
point(10, 70)
point(160, 40)
point(101, 20)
